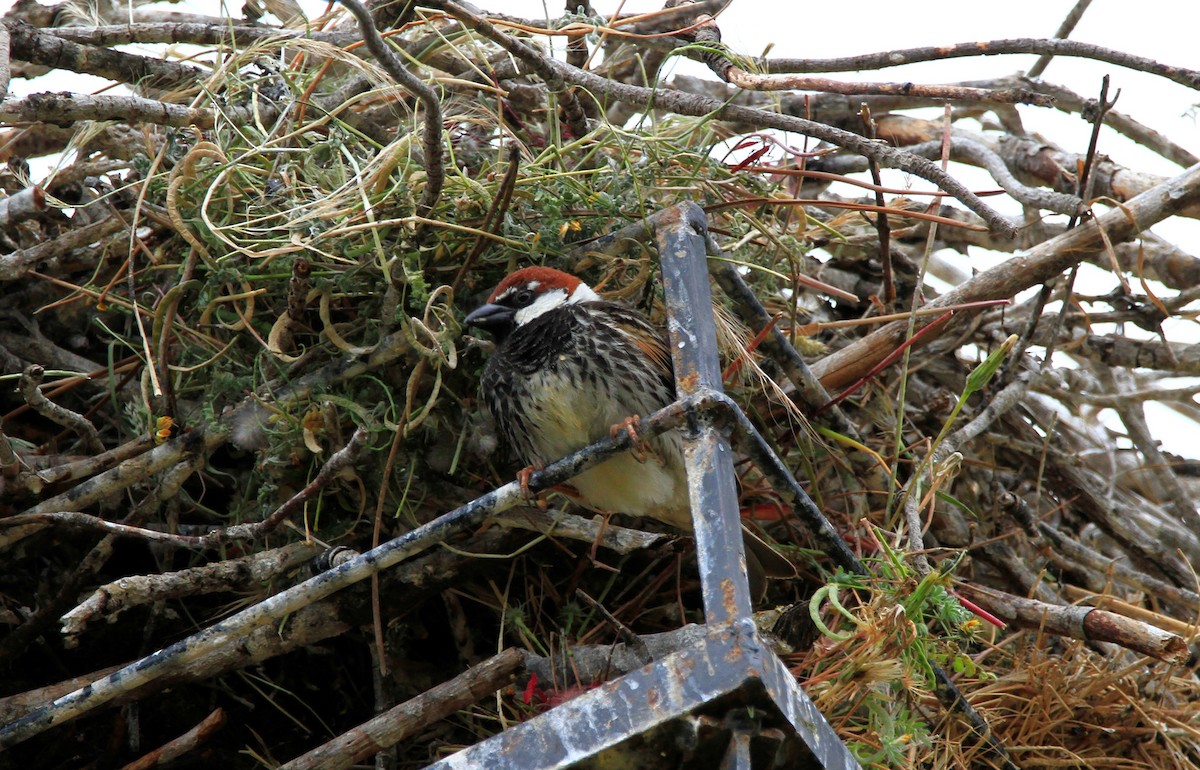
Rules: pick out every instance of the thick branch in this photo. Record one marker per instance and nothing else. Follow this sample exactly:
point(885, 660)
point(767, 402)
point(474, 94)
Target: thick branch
point(400, 722)
point(197, 33)
point(1042, 263)
point(37, 47)
point(65, 107)
point(1085, 623)
point(754, 82)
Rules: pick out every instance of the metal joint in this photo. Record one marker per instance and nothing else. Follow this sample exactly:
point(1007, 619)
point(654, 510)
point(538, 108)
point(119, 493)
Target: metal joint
point(719, 409)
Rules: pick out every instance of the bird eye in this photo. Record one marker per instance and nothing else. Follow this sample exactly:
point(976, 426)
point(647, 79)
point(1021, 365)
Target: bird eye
point(523, 298)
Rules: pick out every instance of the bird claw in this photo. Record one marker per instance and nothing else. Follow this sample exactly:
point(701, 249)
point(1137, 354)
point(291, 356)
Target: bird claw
point(523, 476)
point(633, 424)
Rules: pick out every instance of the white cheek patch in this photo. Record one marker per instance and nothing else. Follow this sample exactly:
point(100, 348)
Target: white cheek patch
point(544, 303)
point(552, 298)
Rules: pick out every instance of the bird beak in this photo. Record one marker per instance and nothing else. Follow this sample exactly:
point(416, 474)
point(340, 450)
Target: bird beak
point(491, 317)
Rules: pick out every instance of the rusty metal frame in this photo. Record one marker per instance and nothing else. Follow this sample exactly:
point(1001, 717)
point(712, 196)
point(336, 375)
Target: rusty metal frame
point(730, 672)
point(712, 486)
point(730, 683)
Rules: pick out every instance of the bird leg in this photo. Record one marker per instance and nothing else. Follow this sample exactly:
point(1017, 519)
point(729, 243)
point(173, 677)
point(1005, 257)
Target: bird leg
point(633, 424)
point(596, 547)
point(523, 476)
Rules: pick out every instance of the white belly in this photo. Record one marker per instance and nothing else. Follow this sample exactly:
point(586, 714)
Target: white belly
point(624, 485)
point(566, 416)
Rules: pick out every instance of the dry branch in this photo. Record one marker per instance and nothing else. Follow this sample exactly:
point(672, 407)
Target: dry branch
point(69, 108)
point(1085, 623)
point(1181, 75)
point(197, 33)
point(35, 47)
point(182, 745)
point(402, 721)
point(1043, 262)
point(30, 381)
point(246, 573)
point(18, 263)
point(1063, 32)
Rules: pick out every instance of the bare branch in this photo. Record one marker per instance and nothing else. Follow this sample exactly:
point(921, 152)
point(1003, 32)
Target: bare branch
point(87, 522)
point(1064, 31)
point(402, 721)
point(1068, 101)
point(1043, 262)
point(37, 47)
point(198, 33)
point(248, 573)
point(435, 173)
point(88, 435)
point(1181, 75)
point(1072, 554)
point(70, 108)
point(1086, 623)
point(182, 745)
point(17, 264)
point(754, 82)
point(965, 149)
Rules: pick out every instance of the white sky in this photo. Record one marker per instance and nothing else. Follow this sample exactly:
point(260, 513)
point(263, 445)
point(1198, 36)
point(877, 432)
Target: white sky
point(1163, 30)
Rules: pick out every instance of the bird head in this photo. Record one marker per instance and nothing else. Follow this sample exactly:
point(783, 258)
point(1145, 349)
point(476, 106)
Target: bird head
point(526, 294)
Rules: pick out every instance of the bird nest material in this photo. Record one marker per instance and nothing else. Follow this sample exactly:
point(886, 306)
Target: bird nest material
point(233, 317)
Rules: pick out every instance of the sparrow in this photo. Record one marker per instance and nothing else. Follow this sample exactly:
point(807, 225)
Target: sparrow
point(571, 368)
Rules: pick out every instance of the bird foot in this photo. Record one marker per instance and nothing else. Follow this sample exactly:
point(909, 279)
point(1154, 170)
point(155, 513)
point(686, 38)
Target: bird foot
point(523, 476)
point(633, 424)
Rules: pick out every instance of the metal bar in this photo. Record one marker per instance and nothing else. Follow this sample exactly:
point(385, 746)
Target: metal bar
point(732, 661)
point(601, 718)
point(737, 755)
point(712, 486)
point(802, 714)
point(750, 441)
point(729, 661)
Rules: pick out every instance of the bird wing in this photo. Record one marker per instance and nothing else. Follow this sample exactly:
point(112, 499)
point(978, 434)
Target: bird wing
point(647, 338)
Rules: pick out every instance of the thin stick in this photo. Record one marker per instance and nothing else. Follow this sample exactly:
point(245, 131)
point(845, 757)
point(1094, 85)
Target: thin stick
point(1064, 32)
point(435, 173)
